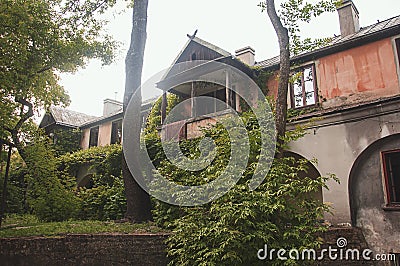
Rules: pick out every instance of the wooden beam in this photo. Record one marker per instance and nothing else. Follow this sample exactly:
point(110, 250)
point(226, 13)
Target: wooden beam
point(193, 95)
point(227, 91)
point(164, 104)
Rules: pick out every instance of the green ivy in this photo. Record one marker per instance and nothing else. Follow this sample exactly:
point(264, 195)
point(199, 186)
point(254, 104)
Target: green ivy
point(66, 140)
point(49, 199)
point(230, 230)
point(105, 199)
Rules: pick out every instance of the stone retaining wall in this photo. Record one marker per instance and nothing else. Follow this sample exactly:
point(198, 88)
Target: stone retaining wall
point(113, 249)
point(129, 249)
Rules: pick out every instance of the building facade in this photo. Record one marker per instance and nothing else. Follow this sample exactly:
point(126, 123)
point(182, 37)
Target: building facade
point(352, 87)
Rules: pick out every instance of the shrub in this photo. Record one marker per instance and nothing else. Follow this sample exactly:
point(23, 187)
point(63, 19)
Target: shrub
point(104, 199)
point(47, 196)
point(230, 230)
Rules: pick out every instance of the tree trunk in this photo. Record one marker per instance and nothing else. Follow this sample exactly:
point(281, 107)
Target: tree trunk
point(138, 201)
point(284, 72)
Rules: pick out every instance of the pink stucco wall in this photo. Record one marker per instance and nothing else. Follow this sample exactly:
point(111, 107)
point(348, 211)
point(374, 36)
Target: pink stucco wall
point(356, 75)
point(364, 73)
point(85, 138)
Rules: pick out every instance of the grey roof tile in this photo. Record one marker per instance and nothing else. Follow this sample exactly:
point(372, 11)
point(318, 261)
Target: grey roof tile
point(67, 117)
point(364, 31)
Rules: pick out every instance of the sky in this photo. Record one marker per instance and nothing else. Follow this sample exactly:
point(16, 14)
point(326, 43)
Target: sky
point(229, 24)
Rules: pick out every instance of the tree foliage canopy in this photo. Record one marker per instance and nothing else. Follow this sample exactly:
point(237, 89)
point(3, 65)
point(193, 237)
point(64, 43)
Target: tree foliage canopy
point(293, 12)
point(38, 40)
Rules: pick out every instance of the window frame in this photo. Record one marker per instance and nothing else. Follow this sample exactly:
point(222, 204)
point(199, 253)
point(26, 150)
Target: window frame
point(396, 50)
point(91, 130)
point(396, 262)
point(389, 204)
point(304, 98)
point(118, 139)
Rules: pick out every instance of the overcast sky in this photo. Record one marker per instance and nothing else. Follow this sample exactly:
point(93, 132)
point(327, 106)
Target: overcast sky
point(229, 24)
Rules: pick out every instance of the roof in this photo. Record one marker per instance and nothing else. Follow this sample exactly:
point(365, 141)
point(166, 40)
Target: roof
point(69, 118)
point(204, 43)
point(379, 30)
point(146, 107)
point(214, 54)
point(219, 54)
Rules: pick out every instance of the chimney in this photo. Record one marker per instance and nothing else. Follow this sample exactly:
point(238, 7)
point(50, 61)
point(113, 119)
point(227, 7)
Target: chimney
point(246, 55)
point(348, 18)
point(111, 107)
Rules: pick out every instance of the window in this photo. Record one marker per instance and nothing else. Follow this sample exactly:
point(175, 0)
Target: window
point(210, 107)
point(396, 261)
point(398, 48)
point(94, 137)
point(116, 132)
point(303, 88)
point(391, 168)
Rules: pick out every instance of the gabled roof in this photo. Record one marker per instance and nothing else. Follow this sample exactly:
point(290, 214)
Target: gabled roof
point(205, 52)
point(204, 43)
point(377, 31)
point(194, 43)
point(68, 118)
point(146, 107)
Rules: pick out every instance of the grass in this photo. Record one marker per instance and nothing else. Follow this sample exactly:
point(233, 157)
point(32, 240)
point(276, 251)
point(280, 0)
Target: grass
point(29, 225)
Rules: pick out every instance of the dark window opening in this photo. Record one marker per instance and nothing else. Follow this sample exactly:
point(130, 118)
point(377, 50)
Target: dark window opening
point(303, 89)
point(94, 137)
point(396, 261)
point(398, 49)
point(116, 132)
point(194, 57)
point(391, 167)
point(232, 99)
point(210, 107)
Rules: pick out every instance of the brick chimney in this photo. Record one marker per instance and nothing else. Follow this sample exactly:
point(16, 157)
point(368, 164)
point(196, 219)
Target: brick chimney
point(348, 18)
point(111, 107)
point(246, 55)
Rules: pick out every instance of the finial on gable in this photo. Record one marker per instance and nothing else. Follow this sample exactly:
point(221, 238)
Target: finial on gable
point(192, 36)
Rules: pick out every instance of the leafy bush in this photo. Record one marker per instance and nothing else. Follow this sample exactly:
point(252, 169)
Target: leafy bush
point(66, 140)
point(16, 186)
point(281, 212)
point(102, 202)
point(105, 199)
point(46, 185)
point(47, 196)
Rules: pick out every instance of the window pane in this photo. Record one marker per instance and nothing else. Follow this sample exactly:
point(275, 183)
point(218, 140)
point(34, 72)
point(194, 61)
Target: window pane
point(94, 137)
point(310, 99)
point(116, 132)
point(392, 175)
point(298, 90)
point(309, 86)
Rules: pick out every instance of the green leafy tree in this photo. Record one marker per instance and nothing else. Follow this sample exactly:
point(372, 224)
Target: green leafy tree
point(38, 40)
point(66, 140)
point(48, 198)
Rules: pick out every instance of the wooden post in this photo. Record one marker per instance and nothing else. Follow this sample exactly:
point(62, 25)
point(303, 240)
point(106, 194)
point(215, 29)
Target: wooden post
point(227, 91)
point(193, 100)
point(164, 104)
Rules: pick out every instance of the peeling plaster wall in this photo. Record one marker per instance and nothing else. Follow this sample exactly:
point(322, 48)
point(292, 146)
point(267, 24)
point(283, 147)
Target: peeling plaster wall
point(105, 134)
point(337, 141)
point(381, 228)
point(359, 74)
point(85, 138)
